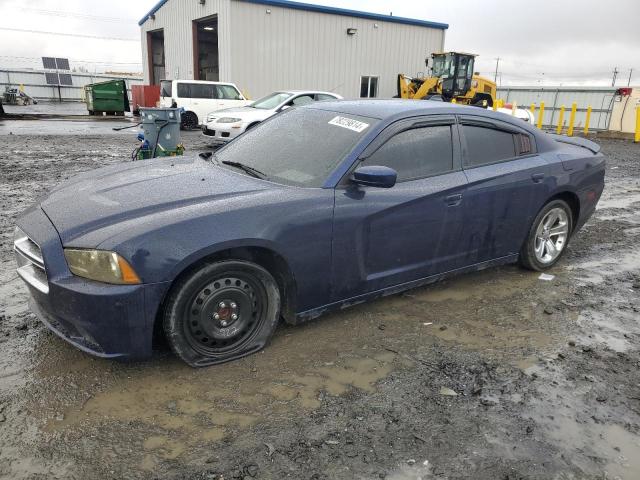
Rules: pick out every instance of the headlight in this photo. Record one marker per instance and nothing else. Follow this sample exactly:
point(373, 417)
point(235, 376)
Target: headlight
point(229, 120)
point(100, 265)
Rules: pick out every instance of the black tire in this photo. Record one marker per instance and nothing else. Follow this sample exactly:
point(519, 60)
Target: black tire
point(528, 258)
point(189, 121)
point(226, 289)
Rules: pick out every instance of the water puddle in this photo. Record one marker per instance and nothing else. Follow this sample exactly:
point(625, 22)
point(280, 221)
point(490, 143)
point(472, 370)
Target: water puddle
point(186, 407)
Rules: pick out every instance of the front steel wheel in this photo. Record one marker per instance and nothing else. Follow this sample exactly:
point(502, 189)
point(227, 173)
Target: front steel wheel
point(548, 236)
point(223, 311)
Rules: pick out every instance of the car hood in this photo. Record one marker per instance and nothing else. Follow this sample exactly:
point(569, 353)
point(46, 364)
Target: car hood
point(244, 113)
point(123, 192)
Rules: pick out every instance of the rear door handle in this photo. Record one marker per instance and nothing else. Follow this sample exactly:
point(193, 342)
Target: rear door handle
point(453, 200)
point(537, 177)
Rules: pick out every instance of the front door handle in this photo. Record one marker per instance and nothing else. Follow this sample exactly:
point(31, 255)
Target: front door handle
point(453, 200)
point(537, 177)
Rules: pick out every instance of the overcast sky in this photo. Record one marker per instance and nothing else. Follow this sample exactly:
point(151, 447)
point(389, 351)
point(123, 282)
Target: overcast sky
point(538, 41)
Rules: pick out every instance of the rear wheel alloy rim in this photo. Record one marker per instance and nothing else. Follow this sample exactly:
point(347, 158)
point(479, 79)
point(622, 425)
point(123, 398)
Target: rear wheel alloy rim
point(551, 235)
point(224, 314)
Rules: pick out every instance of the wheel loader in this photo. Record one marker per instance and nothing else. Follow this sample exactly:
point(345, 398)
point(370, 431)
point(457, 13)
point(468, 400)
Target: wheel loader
point(452, 78)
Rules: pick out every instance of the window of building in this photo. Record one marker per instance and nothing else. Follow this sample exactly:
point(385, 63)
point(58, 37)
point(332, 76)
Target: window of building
point(368, 87)
point(488, 145)
point(417, 153)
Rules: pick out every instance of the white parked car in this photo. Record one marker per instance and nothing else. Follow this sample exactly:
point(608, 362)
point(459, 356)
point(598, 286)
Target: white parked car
point(224, 125)
point(199, 97)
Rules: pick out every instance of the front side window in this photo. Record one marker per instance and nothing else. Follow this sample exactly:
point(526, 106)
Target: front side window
point(227, 92)
point(302, 100)
point(300, 146)
point(321, 97)
point(368, 87)
point(417, 153)
point(488, 145)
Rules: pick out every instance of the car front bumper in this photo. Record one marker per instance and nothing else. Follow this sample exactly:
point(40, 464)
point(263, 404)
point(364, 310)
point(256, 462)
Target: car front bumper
point(219, 133)
point(110, 321)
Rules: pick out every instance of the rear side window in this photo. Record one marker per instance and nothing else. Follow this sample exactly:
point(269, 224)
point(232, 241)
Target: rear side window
point(417, 153)
point(184, 90)
point(488, 145)
point(524, 144)
point(203, 90)
point(165, 88)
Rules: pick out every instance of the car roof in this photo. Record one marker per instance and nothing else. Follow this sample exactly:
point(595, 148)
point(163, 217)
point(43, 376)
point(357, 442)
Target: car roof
point(397, 108)
point(298, 92)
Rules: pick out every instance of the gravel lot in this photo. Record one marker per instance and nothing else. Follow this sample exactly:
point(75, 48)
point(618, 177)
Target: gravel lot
point(491, 375)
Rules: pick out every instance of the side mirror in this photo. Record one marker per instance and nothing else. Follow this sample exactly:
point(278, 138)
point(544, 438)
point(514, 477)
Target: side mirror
point(375, 176)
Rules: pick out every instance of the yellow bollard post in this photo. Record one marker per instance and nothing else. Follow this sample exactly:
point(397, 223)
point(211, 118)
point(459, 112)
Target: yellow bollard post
point(453, 100)
point(514, 107)
point(495, 105)
point(532, 109)
point(586, 121)
point(541, 115)
point(637, 137)
point(560, 120)
point(572, 118)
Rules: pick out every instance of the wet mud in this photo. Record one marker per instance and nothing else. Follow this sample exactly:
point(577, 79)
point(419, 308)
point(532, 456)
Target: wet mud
point(492, 375)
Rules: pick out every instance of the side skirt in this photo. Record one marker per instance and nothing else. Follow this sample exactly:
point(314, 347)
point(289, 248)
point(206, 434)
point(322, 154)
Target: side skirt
point(314, 313)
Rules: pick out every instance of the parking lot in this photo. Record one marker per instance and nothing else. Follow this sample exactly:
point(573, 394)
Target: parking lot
point(493, 375)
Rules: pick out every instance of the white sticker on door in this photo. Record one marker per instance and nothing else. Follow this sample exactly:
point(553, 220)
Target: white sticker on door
point(349, 123)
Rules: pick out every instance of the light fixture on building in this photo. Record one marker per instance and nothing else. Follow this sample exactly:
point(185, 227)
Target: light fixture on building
point(207, 28)
point(352, 31)
point(152, 16)
point(375, 25)
point(202, 2)
point(268, 11)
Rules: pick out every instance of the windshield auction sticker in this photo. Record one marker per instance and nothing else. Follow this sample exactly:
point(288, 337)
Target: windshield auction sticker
point(349, 123)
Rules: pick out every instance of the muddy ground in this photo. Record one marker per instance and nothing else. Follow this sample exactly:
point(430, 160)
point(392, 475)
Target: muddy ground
point(492, 375)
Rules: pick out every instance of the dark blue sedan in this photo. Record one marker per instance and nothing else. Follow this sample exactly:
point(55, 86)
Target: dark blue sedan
point(318, 208)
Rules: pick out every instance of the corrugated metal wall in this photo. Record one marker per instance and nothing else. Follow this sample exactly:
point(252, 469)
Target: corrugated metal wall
point(295, 49)
point(35, 84)
point(599, 98)
point(175, 18)
point(290, 48)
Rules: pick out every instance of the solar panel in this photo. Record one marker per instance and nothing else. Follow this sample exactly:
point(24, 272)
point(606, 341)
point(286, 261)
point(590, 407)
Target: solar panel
point(52, 78)
point(62, 63)
point(49, 62)
point(65, 79)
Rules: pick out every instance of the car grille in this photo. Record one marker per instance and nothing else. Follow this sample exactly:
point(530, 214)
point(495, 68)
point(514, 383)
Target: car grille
point(30, 262)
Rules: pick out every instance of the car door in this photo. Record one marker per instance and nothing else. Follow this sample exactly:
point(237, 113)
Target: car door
point(508, 182)
point(385, 237)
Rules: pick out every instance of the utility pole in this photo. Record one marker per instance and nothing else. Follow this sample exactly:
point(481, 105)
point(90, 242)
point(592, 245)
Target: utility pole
point(615, 74)
point(495, 76)
point(630, 73)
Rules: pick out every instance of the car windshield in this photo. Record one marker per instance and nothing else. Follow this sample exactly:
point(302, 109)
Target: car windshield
point(271, 101)
point(298, 147)
point(443, 66)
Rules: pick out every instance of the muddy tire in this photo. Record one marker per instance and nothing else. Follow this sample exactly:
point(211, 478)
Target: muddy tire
point(189, 121)
point(221, 312)
point(548, 236)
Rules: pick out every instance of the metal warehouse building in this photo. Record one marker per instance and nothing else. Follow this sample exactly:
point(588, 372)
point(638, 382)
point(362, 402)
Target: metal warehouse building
point(267, 45)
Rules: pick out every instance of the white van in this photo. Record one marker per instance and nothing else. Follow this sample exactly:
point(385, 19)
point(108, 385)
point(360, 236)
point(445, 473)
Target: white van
point(199, 98)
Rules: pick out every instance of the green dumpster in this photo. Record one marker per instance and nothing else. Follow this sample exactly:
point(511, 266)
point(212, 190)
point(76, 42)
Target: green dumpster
point(107, 97)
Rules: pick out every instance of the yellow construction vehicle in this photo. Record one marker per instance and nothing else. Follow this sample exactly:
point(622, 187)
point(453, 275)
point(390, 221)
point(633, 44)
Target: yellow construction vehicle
point(452, 78)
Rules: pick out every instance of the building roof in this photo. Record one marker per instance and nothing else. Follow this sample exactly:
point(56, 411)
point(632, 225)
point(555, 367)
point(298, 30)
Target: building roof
point(322, 9)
